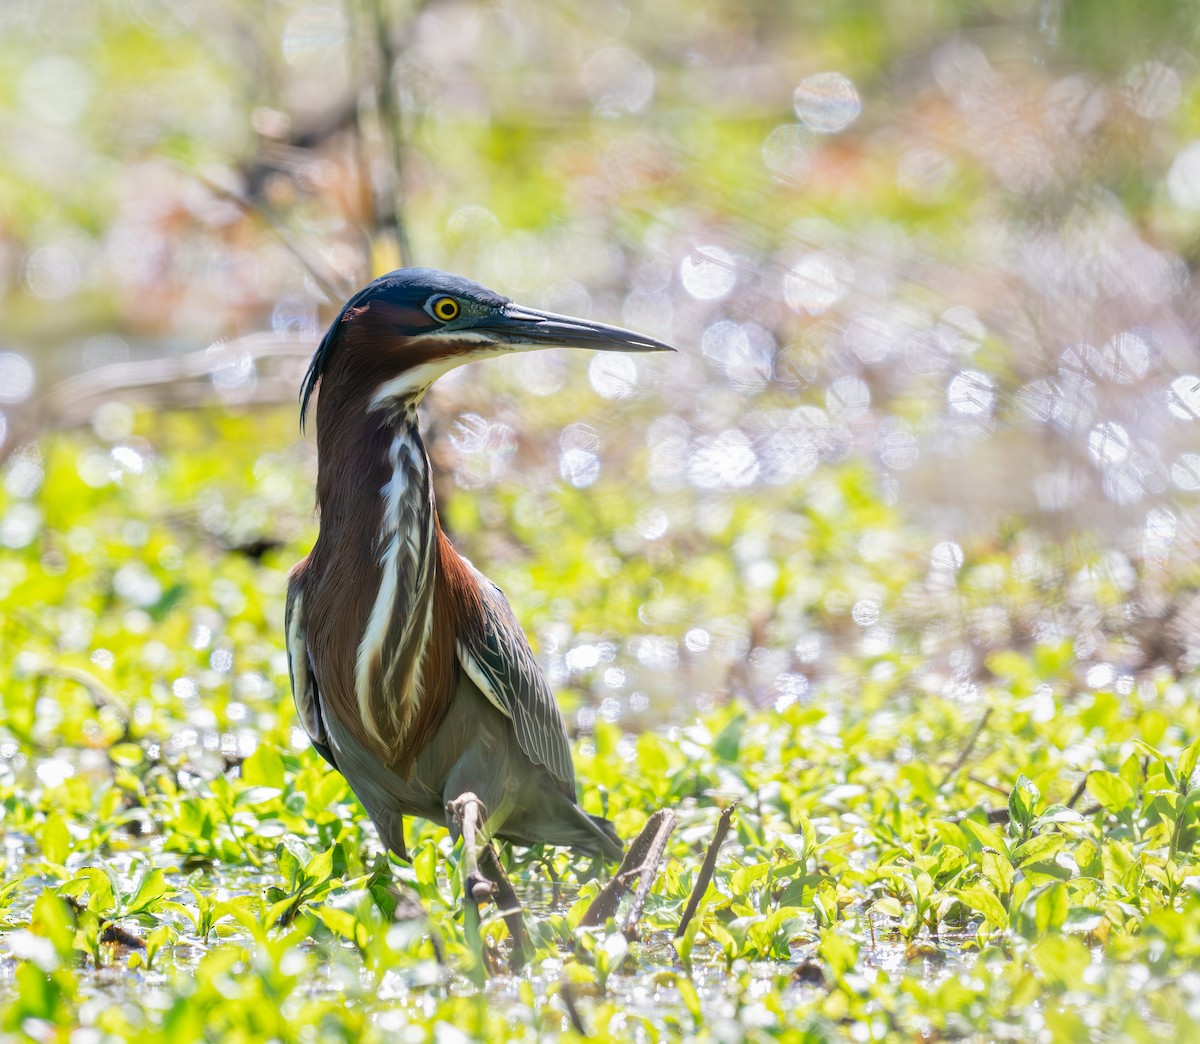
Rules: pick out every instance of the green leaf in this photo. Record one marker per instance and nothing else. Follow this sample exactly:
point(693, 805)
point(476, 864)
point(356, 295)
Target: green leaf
point(983, 901)
point(720, 935)
point(1149, 751)
point(256, 796)
point(609, 954)
point(1062, 960)
point(1187, 763)
point(838, 953)
point(96, 884)
point(341, 922)
point(264, 768)
point(744, 878)
point(1050, 908)
point(1110, 790)
point(425, 868)
point(292, 857)
point(1022, 802)
point(151, 888)
point(984, 835)
point(998, 872)
point(729, 741)
point(53, 919)
point(55, 839)
point(327, 865)
point(127, 755)
point(889, 906)
point(1131, 771)
point(685, 943)
point(690, 997)
point(1041, 847)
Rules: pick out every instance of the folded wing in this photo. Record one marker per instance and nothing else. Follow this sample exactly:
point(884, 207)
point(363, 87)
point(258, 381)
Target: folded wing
point(497, 658)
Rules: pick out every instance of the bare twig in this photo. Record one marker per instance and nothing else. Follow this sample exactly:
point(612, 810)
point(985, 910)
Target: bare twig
point(706, 869)
point(990, 786)
point(176, 381)
point(388, 198)
point(319, 273)
point(965, 753)
point(1077, 793)
point(643, 856)
point(645, 879)
point(102, 696)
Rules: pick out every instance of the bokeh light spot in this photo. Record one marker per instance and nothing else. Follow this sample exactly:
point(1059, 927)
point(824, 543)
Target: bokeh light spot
point(617, 81)
point(724, 461)
point(971, 393)
point(613, 376)
point(1185, 472)
point(827, 102)
point(56, 90)
point(1183, 179)
point(1109, 443)
point(708, 273)
point(16, 378)
point(51, 273)
point(817, 282)
point(946, 555)
point(1183, 397)
point(788, 150)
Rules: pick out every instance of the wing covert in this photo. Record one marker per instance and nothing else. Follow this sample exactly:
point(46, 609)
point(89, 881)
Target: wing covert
point(304, 685)
point(497, 658)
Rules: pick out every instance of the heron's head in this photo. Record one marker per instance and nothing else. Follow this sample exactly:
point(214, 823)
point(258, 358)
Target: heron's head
point(399, 334)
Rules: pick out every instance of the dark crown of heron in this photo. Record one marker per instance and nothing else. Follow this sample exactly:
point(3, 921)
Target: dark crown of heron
point(403, 320)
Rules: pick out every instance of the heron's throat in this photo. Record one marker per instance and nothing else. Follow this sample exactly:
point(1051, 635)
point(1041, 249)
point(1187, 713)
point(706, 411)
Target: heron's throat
point(396, 632)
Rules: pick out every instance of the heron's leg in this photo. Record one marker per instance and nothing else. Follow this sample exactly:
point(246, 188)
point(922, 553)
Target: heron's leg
point(467, 812)
point(509, 904)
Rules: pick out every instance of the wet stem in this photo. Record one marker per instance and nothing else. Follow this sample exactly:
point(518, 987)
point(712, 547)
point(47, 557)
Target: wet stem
point(1177, 830)
point(251, 858)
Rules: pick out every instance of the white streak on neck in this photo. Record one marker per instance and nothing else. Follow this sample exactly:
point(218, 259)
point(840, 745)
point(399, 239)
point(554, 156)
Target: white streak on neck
point(406, 568)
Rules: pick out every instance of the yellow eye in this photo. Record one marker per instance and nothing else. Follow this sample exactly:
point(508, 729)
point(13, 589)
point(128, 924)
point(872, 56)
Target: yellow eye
point(445, 309)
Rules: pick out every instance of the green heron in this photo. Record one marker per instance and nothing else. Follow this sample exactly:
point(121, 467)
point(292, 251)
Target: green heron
point(410, 673)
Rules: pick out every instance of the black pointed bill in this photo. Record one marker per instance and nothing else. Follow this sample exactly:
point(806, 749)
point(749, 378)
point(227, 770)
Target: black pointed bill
point(528, 328)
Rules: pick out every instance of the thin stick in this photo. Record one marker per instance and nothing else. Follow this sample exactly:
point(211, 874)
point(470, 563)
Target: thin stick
point(166, 382)
point(388, 198)
point(966, 751)
point(327, 281)
point(1077, 793)
point(990, 786)
point(635, 862)
point(706, 869)
point(654, 857)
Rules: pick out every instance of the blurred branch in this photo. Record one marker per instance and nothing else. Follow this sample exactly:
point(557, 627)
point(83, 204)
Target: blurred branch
point(320, 275)
point(179, 382)
point(386, 178)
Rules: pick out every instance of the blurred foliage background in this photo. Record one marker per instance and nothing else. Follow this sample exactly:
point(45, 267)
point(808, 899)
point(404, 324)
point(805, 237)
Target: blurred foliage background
point(929, 264)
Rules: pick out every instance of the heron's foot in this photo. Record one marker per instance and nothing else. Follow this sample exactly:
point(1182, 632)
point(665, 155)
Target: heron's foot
point(467, 812)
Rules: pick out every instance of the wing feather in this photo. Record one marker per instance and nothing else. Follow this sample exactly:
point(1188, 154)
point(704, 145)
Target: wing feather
point(497, 658)
point(304, 685)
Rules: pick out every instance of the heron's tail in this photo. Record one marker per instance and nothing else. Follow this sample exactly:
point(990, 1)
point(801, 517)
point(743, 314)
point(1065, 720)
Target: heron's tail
point(606, 841)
